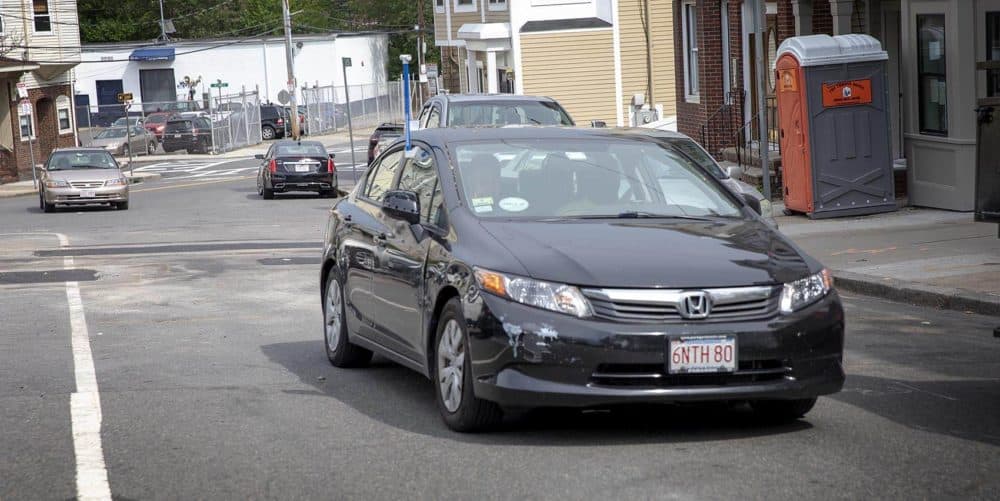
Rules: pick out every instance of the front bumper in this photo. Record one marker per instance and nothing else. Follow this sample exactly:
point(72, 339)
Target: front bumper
point(102, 195)
point(526, 357)
point(282, 182)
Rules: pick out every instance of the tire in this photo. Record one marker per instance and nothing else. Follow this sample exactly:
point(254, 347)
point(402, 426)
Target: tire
point(151, 148)
point(45, 206)
point(41, 200)
point(456, 399)
point(121, 205)
point(782, 411)
point(336, 342)
point(328, 193)
point(125, 150)
point(267, 193)
point(267, 132)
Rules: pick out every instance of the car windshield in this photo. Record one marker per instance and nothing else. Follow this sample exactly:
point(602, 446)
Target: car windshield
point(69, 160)
point(301, 149)
point(113, 133)
point(695, 152)
point(595, 177)
point(500, 113)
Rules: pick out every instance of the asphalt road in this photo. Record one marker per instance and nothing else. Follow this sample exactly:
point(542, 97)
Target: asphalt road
point(201, 308)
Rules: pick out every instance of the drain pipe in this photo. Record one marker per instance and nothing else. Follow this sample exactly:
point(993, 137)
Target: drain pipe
point(649, 56)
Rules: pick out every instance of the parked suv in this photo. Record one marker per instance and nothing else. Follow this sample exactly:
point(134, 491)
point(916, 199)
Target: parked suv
point(191, 134)
point(272, 121)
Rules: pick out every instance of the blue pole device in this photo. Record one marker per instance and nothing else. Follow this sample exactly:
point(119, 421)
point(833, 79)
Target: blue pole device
point(405, 58)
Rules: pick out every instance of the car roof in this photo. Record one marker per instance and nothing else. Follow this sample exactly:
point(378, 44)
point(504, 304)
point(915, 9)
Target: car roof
point(455, 134)
point(467, 98)
point(81, 149)
point(286, 142)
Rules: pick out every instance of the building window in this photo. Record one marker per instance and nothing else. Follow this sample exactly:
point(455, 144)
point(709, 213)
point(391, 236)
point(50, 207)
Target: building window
point(497, 5)
point(993, 53)
point(465, 5)
point(27, 126)
point(931, 74)
point(43, 22)
point(438, 5)
point(64, 115)
point(690, 32)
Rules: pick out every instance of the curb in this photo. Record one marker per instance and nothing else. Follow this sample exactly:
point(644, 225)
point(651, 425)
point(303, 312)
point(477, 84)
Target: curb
point(918, 294)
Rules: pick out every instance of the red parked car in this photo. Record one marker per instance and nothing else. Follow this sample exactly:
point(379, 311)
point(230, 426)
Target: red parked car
point(156, 122)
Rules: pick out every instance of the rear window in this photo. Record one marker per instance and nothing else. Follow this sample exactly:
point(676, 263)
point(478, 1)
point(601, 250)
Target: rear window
point(301, 150)
point(176, 125)
point(156, 119)
point(268, 112)
point(500, 113)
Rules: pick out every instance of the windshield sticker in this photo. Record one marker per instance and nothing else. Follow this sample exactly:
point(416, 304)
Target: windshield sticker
point(513, 204)
point(483, 204)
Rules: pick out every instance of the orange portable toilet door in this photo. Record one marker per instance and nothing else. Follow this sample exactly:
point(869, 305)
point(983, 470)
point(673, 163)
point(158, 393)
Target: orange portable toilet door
point(796, 166)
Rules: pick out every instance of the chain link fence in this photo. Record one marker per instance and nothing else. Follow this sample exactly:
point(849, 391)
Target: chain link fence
point(325, 107)
point(214, 124)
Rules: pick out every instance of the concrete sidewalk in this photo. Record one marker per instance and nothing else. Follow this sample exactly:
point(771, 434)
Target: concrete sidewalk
point(24, 188)
point(921, 256)
point(334, 139)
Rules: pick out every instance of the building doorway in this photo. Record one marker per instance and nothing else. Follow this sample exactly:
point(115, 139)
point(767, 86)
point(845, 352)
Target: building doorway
point(891, 36)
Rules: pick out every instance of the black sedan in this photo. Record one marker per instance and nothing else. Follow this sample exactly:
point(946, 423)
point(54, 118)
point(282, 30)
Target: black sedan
point(538, 267)
point(296, 166)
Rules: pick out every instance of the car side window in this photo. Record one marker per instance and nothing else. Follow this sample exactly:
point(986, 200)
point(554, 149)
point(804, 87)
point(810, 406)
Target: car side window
point(382, 175)
point(436, 206)
point(420, 175)
point(434, 118)
point(424, 113)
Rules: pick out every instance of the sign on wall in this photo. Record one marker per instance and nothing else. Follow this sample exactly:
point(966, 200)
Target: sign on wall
point(848, 93)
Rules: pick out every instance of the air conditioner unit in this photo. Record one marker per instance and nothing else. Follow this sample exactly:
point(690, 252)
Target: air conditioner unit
point(643, 117)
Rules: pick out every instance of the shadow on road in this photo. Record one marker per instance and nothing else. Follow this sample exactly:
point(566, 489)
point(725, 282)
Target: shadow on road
point(963, 409)
point(399, 397)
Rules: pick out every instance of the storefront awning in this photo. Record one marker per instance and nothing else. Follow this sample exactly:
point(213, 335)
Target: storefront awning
point(152, 54)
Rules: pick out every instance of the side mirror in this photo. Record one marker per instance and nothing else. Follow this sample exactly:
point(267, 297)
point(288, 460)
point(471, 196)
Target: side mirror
point(333, 156)
point(402, 204)
point(752, 201)
point(598, 124)
point(734, 171)
point(259, 156)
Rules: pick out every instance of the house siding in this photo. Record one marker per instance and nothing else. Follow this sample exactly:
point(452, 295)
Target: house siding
point(633, 53)
point(562, 65)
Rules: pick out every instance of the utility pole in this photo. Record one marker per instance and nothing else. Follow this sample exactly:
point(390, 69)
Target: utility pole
point(420, 43)
point(291, 69)
point(163, 26)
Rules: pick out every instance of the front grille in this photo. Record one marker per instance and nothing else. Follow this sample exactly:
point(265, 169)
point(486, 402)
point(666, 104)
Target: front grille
point(86, 184)
point(656, 375)
point(661, 305)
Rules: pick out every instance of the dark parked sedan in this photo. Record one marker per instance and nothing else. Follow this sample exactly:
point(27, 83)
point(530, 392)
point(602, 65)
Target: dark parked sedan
point(535, 267)
point(296, 166)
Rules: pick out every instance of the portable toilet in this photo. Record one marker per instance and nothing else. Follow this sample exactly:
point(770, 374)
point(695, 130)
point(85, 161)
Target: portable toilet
point(833, 114)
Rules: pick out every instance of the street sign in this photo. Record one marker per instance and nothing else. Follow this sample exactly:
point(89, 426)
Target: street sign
point(219, 85)
point(346, 61)
point(25, 107)
point(22, 90)
point(284, 97)
point(124, 96)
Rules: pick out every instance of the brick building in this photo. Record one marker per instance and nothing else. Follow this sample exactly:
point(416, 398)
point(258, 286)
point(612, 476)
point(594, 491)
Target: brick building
point(933, 47)
point(40, 46)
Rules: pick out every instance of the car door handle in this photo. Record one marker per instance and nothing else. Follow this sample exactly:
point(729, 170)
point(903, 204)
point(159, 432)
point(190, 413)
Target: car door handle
point(382, 239)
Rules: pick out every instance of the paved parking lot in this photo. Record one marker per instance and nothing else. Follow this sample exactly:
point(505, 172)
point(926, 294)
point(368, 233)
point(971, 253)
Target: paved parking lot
point(201, 312)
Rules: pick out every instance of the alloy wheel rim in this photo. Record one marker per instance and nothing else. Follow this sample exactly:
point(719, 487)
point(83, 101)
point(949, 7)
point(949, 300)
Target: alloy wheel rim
point(451, 365)
point(333, 316)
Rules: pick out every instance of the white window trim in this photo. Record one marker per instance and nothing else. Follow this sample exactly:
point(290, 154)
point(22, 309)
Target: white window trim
point(34, 126)
point(48, 3)
point(440, 8)
point(688, 96)
point(69, 115)
point(496, 5)
point(465, 8)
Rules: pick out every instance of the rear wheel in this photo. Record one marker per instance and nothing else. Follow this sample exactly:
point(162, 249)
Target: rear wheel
point(151, 148)
point(125, 150)
point(452, 375)
point(267, 132)
point(783, 411)
point(328, 193)
point(339, 349)
point(267, 193)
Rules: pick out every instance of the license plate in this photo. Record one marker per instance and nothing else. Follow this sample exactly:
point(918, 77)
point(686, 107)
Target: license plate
point(694, 354)
point(302, 167)
point(177, 136)
point(87, 194)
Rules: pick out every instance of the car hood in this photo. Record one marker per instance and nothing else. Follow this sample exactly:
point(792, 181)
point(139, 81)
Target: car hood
point(653, 252)
point(85, 174)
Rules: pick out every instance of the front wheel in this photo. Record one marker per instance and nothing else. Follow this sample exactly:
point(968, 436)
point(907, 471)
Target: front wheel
point(452, 375)
point(151, 148)
point(783, 411)
point(267, 132)
point(121, 205)
point(126, 150)
point(339, 349)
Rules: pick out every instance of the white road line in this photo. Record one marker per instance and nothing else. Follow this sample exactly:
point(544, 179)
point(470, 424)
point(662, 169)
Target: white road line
point(85, 403)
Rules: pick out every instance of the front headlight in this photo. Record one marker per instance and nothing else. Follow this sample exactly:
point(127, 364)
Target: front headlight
point(116, 182)
point(56, 183)
point(546, 295)
point(803, 292)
